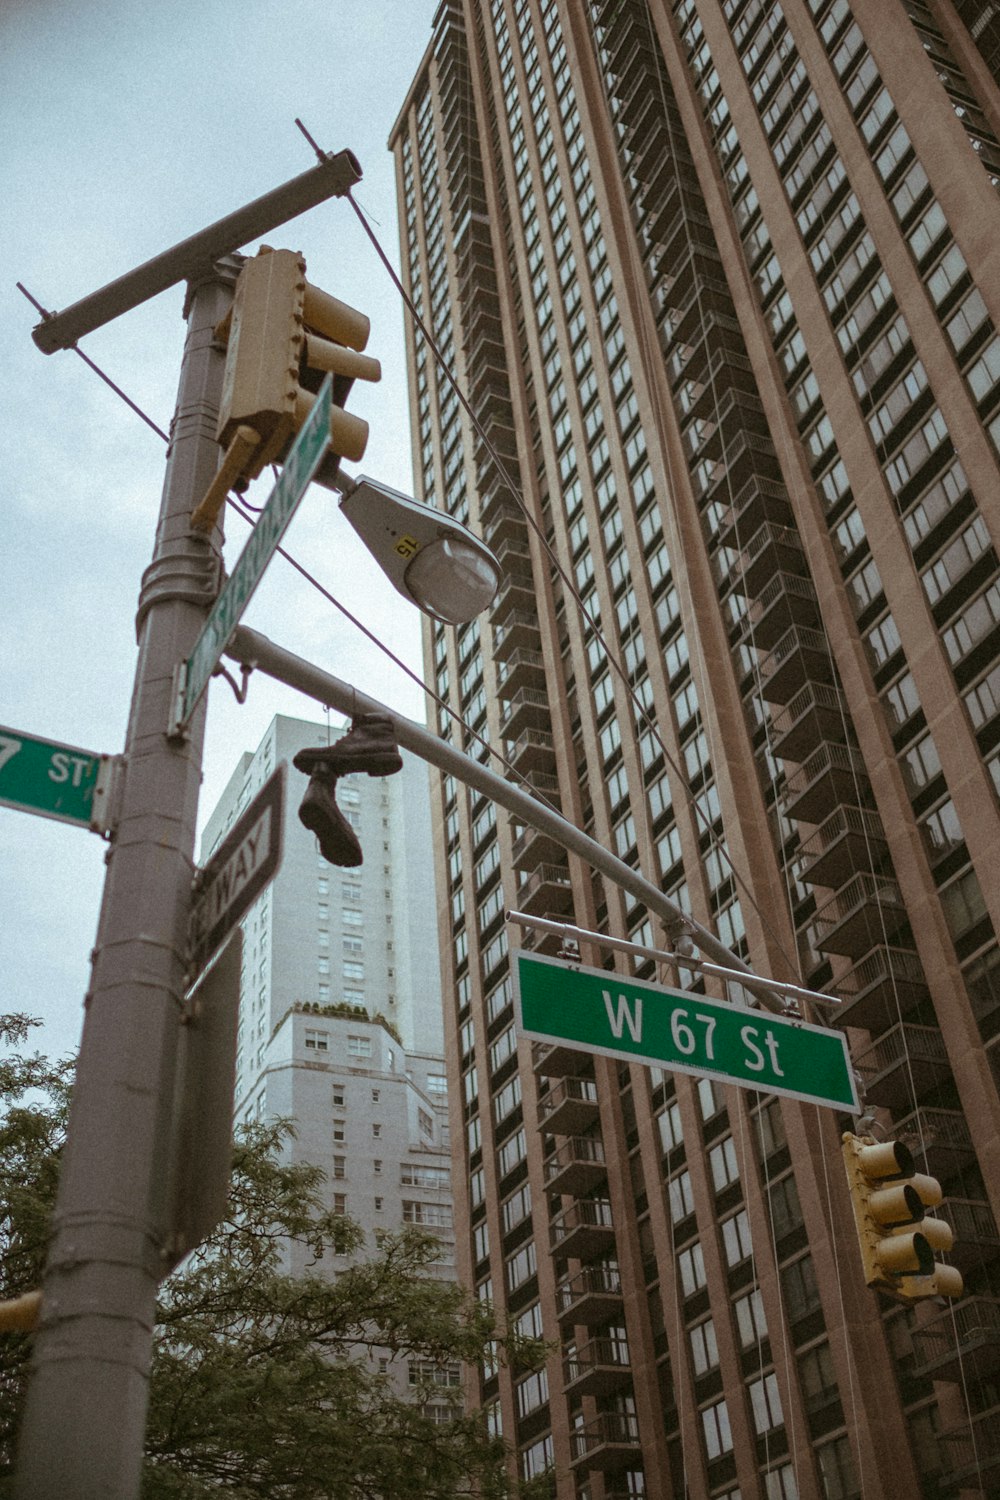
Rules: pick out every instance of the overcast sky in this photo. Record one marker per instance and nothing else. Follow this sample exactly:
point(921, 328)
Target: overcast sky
point(127, 126)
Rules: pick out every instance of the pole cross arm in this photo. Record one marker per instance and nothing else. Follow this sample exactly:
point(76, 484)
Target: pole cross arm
point(251, 649)
point(194, 258)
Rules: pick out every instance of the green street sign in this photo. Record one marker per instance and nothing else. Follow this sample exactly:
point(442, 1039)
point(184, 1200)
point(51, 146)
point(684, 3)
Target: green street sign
point(303, 460)
point(599, 1011)
point(54, 780)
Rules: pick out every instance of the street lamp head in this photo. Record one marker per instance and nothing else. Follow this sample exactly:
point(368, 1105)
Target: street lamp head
point(434, 561)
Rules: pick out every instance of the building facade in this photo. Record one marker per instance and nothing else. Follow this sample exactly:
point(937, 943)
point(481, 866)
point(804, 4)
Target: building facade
point(340, 995)
point(718, 278)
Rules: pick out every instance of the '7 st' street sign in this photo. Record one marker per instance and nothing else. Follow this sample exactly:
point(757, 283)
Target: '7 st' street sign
point(54, 780)
point(598, 1011)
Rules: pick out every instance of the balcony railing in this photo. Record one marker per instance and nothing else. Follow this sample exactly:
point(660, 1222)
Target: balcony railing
point(939, 1139)
point(881, 988)
point(867, 909)
point(814, 717)
point(906, 1061)
point(531, 750)
point(963, 1337)
point(583, 1229)
point(832, 775)
point(546, 888)
point(851, 840)
point(608, 1441)
point(787, 600)
point(592, 1296)
point(569, 1106)
point(597, 1367)
point(576, 1166)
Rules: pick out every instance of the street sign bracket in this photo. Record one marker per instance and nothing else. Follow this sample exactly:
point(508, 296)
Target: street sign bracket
point(108, 788)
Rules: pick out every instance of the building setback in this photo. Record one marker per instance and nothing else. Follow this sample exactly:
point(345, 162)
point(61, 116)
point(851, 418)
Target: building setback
point(720, 280)
point(340, 998)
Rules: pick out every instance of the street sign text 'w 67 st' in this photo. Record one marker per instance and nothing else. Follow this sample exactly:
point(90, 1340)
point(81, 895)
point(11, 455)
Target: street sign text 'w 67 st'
point(304, 458)
point(599, 1011)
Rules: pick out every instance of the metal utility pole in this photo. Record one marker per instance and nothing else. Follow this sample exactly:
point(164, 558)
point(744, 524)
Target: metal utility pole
point(84, 1419)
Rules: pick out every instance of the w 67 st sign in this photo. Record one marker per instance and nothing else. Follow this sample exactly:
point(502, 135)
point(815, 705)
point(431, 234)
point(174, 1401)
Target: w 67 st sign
point(605, 1013)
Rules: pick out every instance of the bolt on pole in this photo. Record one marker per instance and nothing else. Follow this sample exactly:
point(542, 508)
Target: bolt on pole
point(84, 1421)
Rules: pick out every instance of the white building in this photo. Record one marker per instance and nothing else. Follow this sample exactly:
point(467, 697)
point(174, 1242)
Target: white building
point(340, 998)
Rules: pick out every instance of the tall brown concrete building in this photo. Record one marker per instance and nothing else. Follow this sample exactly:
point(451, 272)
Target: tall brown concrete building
point(721, 281)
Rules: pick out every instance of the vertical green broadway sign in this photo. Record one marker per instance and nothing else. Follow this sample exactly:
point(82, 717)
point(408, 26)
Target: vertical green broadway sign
point(599, 1011)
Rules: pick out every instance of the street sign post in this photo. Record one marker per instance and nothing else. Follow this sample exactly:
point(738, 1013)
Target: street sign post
point(304, 458)
point(54, 780)
point(244, 863)
point(599, 1011)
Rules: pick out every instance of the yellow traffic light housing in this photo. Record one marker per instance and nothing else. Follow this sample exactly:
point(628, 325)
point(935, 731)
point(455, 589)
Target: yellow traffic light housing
point(282, 337)
point(898, 1239)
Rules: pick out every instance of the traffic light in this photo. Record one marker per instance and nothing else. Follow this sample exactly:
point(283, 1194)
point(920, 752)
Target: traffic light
point(898, 1239)
point(369, 746)
point(282, 336)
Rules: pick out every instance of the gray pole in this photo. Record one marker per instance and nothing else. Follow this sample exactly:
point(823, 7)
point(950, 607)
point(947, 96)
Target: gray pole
point(251, 649)
point(84, 1421)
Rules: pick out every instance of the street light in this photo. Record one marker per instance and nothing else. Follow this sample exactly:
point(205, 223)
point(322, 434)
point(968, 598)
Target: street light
point(432, 560)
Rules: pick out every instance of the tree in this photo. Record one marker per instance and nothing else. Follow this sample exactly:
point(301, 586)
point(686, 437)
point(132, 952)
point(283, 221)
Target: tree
point(264, 1383)
point(34, 1098)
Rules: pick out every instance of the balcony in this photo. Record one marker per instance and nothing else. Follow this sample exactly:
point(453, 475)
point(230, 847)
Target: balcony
point(881, 988)
point(834, 774)
point(516, 632)
point(592, 1296)
point(526, 709)
point(583, 1230)
point(906, 1061)
point(800, 656)
point(506, 521)
point(850, 840)
point(576, 1167)
point(597, 1367)
point(977, 1240)
point(608, 1442)
point(557, 1059)
point(813, 718)
point(786, 601)
point(865, 911)
point(515, 595)
point(963, 1341)
point(570, 1107)
point(772, 549)
point(760, 500)
point(940, 1140)
point(973, 1454)
point(532, 848)
point(545, 889)
point(521, 669)
point(531, 751)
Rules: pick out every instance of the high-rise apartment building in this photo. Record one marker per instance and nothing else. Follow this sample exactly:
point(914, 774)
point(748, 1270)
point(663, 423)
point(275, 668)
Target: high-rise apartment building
point(340, 994)
point(719, 278)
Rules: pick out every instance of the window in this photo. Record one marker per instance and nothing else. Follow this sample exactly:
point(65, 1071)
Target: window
point(340, 1166)
point(750, 1318)
point(715, 1425)
point(681, 1196)
point(339, 1130)
point(766, 1403)
point(437, 1215)
point(722, 1161)
point(704, 1348)
point(691, 1264)
point(338, 1097)
point(359, 1046)
point(437, 1083)
point(837, 1469)
point(412, 1175)
point(736, 1239)
point(317, 1041)
point(780, 1484)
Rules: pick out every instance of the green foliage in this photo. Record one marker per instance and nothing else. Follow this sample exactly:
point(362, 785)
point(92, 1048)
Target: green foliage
point(34, 1099)
point(267, 1377)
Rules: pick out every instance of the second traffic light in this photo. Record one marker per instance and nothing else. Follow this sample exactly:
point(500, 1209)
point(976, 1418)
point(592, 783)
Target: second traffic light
point(897, 1237)
point(282, 336)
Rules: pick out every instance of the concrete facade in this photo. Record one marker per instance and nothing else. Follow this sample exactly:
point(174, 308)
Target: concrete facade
point(718, 278)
